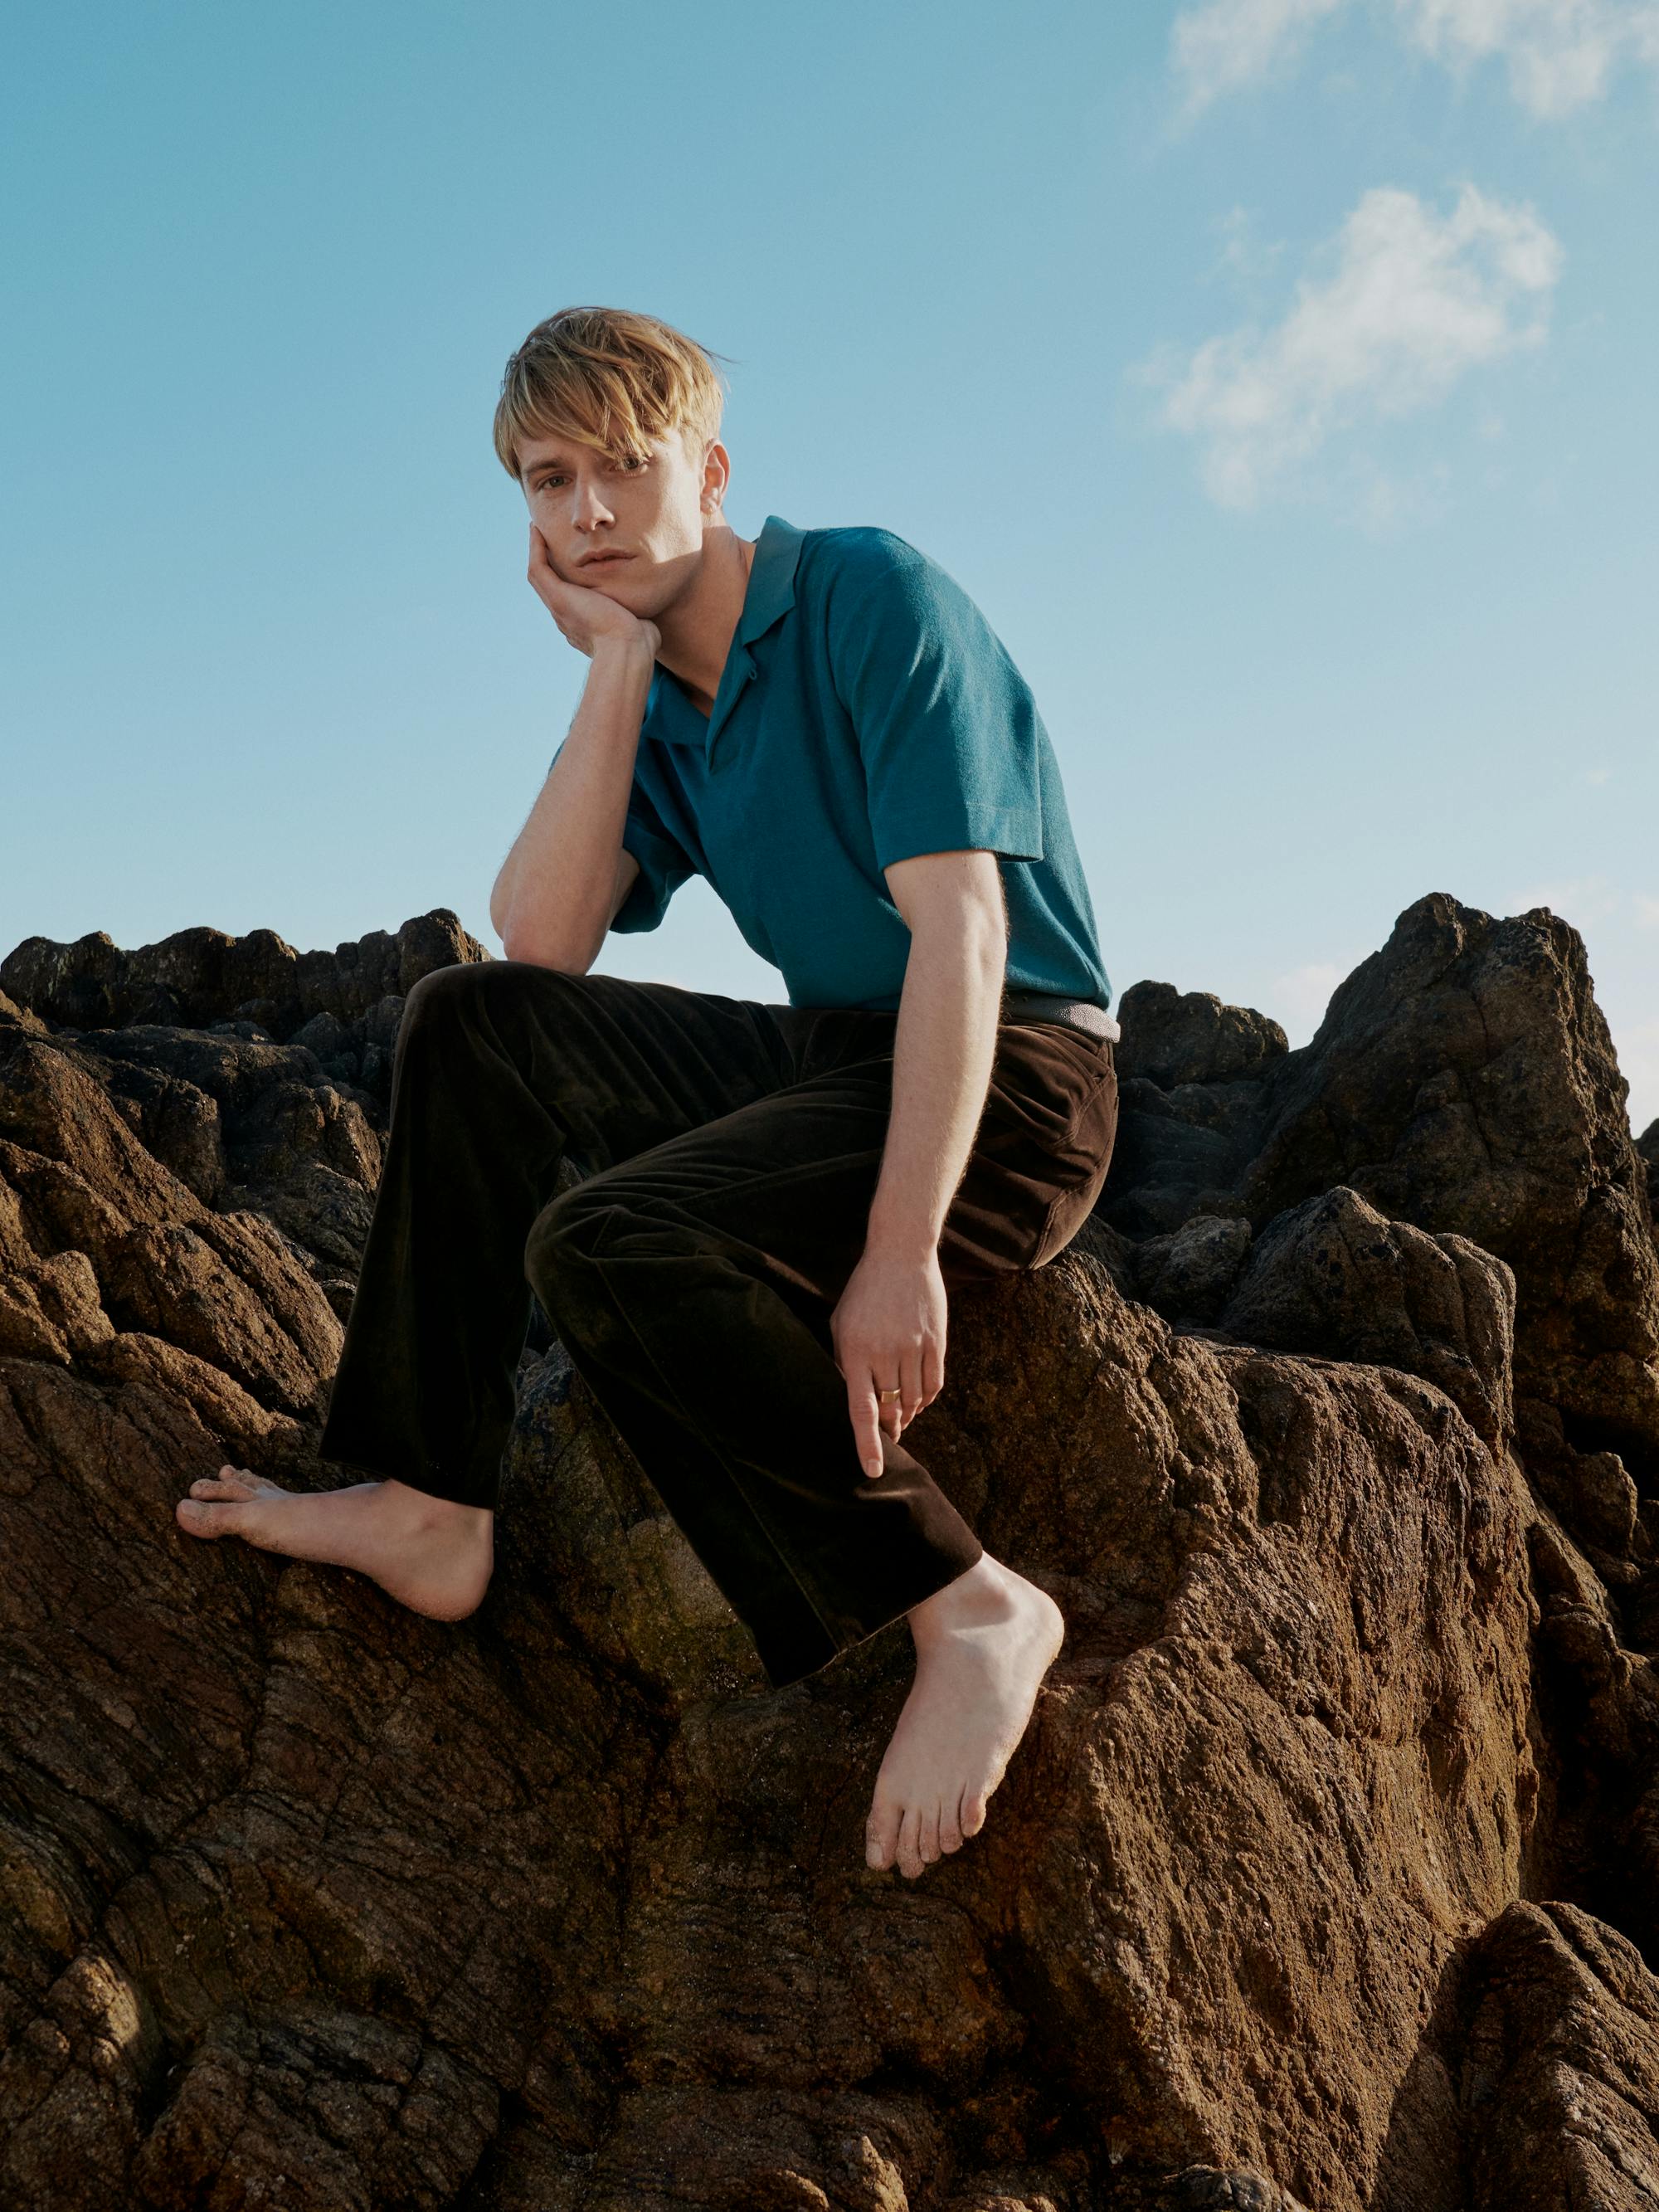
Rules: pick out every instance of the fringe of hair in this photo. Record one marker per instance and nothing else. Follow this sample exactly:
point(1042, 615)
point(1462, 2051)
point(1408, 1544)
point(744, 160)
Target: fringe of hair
point(611, 378)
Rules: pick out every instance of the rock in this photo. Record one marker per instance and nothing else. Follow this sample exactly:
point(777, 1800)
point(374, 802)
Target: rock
point(1332, 1276)
point(1647, 1145)
point(1188, 1274)
point(198, 977)
point(662, 1862)
point(1174, 1038)
point(1561, 2075)
point(311, 1901)
point(1463, 1080)
point(1204, 2188)
point(1192, 1093)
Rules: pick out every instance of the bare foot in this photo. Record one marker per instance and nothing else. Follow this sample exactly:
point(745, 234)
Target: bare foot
point(983, 1644)
point(432, 1555)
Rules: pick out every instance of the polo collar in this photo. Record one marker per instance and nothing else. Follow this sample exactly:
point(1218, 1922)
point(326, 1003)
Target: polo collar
point(768, 597)
point(771, 589)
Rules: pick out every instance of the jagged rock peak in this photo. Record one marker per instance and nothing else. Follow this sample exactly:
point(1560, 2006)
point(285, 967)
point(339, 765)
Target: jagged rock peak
point(198, 977)
point(1172, 1037)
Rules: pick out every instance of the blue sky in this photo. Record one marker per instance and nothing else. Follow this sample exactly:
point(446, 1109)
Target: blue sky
point(1272, 372)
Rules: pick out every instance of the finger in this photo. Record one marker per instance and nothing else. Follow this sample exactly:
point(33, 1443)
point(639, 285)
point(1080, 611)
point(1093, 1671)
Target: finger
point(932, 1370)
point(897, 1413)
point(910, 1382)
point(867, 1425)
point(543, 575)
point(891, 1409)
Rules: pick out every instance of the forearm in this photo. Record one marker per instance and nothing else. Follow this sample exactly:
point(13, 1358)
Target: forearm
point(944, 1049)
point(552, 900)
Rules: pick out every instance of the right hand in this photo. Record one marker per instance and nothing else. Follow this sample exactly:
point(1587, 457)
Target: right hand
point(587, 616)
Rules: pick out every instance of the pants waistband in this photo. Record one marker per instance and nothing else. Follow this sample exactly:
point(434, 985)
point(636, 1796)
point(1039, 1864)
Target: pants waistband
point(1048, 1006)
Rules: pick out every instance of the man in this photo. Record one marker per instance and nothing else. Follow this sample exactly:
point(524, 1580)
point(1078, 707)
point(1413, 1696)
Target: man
point(752, 1273)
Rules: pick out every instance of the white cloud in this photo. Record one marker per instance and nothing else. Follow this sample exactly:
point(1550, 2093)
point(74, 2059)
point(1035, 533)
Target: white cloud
point(1647, 914)
point(1579, 900)
point(1559, 54)
point(1245, 259)
point(1414, 301)
point(1232, 43)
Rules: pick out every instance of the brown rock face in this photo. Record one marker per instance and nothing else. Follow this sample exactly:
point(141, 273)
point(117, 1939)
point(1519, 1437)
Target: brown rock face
point(1561, 2070)
point(1332, 1434)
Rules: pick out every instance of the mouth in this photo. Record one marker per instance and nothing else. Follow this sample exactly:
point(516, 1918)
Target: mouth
point(605, 560)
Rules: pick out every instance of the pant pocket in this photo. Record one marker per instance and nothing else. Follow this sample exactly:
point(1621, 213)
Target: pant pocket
point(1080, 1167)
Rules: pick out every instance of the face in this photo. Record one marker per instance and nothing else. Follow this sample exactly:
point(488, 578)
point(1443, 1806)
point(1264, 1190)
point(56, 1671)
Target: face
point(632, 529)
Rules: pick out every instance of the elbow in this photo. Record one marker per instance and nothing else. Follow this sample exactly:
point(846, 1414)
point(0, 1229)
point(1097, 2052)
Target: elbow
point(539, 952)
point(500, 908)
point(541, 932)
point(516, 945)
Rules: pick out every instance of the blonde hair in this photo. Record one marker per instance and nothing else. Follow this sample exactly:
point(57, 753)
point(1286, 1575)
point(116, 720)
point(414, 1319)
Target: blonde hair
point(607, 377)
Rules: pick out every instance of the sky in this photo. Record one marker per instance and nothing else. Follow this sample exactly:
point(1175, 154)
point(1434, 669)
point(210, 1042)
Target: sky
point(1277, 375)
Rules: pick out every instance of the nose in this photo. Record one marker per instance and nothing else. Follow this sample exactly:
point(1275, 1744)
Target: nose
point(588, 510)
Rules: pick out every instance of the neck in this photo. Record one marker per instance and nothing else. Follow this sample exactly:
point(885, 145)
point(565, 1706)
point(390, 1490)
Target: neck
point(698, 629)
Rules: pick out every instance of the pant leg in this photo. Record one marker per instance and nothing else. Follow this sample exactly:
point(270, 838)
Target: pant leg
point(692, 1286)
point(499, 1068)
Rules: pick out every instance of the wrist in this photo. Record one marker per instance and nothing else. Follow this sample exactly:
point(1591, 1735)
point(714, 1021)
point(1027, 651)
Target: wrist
point(625, 646)
point(900, 1238)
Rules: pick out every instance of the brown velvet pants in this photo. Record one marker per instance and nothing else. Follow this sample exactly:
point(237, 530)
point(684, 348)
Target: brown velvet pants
point(730, 1150)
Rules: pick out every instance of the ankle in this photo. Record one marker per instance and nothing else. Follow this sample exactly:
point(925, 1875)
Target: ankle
point(982, 1597)
point(427, 1511)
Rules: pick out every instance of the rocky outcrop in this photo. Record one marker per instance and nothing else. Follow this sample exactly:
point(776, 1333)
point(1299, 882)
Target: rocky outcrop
point(1561, 2063)
point(1462, 1089)
point(1463, 1082)
point(1304, 1891)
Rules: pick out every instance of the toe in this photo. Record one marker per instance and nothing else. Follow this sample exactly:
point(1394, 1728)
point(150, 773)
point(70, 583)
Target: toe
point(950, 1826)
point(881, 1832)
point(910, 1861)
point(973, 1811)
point(927, 1833)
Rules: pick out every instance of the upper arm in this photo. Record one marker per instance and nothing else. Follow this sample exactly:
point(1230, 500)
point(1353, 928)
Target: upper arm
point(951, 890)
point(947, 729)
point(627, 869)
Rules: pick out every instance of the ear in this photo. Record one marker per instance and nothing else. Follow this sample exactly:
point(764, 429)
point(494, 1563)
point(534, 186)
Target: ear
point(716, 474)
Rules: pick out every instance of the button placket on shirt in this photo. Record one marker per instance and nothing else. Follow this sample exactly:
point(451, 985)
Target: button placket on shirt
point(719, 755)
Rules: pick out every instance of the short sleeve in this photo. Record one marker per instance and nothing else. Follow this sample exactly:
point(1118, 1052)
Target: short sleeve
point(664, 864)
point(947, 725)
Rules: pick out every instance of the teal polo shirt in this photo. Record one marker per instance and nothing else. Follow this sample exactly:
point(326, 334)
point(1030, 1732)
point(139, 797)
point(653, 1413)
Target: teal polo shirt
point(866, 712)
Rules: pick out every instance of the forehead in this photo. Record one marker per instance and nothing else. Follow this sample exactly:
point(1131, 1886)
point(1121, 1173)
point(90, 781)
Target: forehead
point(540, 449)
point(542, 446)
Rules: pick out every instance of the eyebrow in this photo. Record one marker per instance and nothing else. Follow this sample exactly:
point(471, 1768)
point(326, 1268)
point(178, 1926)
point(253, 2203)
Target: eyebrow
point(549, 461)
